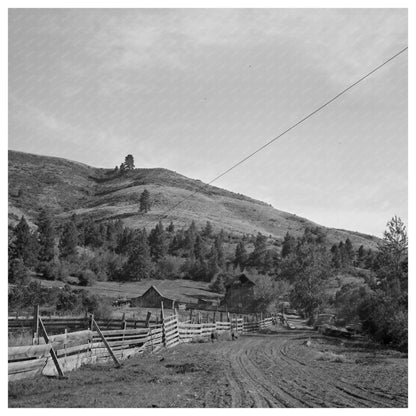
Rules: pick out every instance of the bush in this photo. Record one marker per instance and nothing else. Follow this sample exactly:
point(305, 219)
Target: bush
point(54, 270)
point(168, 267)
point(87, 278)
point(18, 273)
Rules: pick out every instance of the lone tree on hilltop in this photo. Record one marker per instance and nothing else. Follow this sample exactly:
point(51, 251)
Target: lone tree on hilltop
point(129, 162)
point(145, 201)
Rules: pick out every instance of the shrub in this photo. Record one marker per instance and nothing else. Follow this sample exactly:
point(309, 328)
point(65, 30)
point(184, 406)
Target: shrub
point(87, 278)
point(18, 273)
point(54, 270)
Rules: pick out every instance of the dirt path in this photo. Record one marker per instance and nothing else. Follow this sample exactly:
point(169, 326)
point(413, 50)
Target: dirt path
point(279, 370)
point(275, 369)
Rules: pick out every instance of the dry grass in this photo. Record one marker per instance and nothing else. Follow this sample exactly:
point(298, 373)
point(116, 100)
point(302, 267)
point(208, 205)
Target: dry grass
point(20, 338)
point(69, 187)
point(332, 357)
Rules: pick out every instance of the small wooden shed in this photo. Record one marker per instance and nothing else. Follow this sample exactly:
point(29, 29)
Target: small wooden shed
point(152, 299)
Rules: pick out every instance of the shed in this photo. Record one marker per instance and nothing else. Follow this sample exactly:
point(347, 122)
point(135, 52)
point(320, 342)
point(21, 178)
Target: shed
point(240, 293)
point(152, 299)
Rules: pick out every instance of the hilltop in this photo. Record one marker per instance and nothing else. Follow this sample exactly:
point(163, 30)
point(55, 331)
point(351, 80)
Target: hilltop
point(67, 187)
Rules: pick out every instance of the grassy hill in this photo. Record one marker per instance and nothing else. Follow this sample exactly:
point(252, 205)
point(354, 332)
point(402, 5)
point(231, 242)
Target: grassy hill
point(68, 187)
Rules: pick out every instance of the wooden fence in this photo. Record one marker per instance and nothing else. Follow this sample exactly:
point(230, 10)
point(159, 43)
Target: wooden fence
point(57, 354)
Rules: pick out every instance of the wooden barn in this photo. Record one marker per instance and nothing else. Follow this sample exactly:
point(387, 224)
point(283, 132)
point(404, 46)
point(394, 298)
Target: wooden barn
point(239, 294)
point(152, 299)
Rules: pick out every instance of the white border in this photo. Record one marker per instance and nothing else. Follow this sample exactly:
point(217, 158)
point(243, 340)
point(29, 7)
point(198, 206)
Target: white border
point(202, 4)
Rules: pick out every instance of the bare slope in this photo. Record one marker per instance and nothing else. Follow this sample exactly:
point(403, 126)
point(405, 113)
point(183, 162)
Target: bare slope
point(69, 187)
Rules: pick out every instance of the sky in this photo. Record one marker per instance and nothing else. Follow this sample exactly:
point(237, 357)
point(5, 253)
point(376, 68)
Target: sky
point(197, 90)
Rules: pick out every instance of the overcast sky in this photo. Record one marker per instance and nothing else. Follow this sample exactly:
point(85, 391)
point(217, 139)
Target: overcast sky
point(197, 90)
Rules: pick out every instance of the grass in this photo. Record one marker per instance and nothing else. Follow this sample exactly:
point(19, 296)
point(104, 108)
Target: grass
point(69, 187)
point(332, 357)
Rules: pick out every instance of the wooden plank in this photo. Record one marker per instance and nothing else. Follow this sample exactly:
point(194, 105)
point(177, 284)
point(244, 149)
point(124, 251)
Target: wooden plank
point(26, 365)
point(106, 343)
point(25, 375)
point(29, 351)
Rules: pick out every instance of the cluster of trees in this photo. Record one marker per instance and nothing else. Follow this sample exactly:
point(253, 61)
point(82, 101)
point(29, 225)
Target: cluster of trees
point(57, 301)
point(382, 304)
point(126, 166)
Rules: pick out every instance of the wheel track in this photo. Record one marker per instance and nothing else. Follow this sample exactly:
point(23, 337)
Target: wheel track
point(345, 388)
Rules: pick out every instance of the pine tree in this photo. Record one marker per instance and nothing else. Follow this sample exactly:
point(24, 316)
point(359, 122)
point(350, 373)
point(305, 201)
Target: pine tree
point(198, 247)
point(139, 263)
point(145, 201)
point(25, 244)
point(240, 258)
point(46, 236)
point(349, 252)
point(288, 246)
point(207, 231)
point(218, 285)
point(158, 242)
point(336, 259)
point(129, 162)
point(258, 255)
point(218, 245)
point(213, 267)
point(171, 228)
point(360, 256)
point(69, 240)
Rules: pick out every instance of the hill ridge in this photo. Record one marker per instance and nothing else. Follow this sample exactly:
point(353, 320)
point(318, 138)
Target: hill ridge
point(69, 187)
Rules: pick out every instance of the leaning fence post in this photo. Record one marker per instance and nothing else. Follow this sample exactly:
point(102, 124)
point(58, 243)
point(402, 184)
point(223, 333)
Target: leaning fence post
point(52, 350)
point(107, 345)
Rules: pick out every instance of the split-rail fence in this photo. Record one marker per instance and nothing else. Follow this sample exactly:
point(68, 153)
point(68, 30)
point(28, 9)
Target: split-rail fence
point(111, 340)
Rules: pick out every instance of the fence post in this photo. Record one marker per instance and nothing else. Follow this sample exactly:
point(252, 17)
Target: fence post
point(162, 315)
point(35, 338)
point(149, 314)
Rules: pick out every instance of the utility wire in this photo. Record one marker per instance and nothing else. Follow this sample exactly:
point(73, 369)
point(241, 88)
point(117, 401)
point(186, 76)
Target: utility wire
point(164, 214)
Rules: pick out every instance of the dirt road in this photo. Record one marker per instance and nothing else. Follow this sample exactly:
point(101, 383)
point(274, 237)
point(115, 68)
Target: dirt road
point(279, 370)
point(275, 369)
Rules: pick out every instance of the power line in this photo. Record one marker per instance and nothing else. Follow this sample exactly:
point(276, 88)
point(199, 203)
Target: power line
point(164, 214)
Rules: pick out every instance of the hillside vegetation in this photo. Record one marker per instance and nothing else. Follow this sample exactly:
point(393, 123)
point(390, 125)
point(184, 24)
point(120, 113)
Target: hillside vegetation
point(67, 187)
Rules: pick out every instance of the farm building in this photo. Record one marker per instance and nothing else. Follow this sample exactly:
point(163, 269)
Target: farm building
point(240, 294)
point(152, 298)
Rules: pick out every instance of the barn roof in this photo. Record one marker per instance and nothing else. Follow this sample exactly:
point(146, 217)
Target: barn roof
point(240, 280)
point(157, 291)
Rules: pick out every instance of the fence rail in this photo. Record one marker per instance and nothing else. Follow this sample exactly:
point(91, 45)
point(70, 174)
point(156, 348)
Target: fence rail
point(113, 340)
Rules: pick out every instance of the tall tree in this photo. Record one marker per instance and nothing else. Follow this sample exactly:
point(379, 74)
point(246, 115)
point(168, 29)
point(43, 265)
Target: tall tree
point(313, 268)
point(393, 259)
point(145, 201)
point(207, 231)
point(46, 233)
point(349, 252)
point(69, 240)
point(336, 258)
point(129, 162)
point(139, 263)
point(158, 242)
point(289, 245)
point(25, 244)
point(240, 257)
point(258, 255)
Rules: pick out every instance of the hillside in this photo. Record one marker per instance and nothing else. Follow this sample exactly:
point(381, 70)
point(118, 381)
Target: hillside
point(68, 187)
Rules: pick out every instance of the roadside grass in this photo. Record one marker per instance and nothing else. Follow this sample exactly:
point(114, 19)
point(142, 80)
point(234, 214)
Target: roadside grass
point(332, 357)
